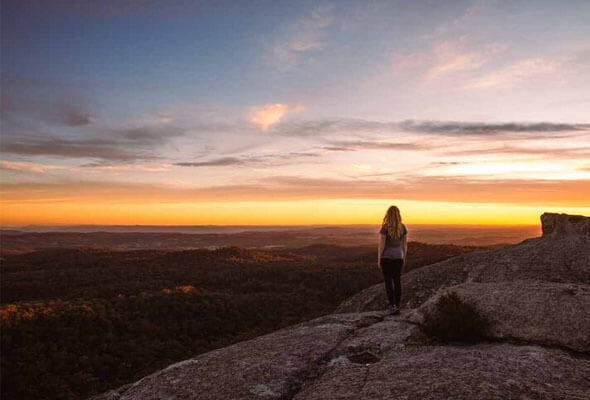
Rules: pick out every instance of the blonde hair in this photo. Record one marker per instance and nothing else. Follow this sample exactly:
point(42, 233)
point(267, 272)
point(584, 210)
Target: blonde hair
point(393, 222)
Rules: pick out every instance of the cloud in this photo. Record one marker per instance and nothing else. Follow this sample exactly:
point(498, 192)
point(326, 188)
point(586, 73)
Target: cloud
point(268, 115)
point(146, 143)
point(449, 128)
point(337, 125)
point(118, 168)
point(552, 153)
point(302, 36)
point(420, 188)
point(483, 128)
point(451, 56)
point(516, 74)
point(267, 159)
point(473, 16)
point(146, 136)
point(72, 117)
point(96, 148)
point(453, 149)
point(223, 161)
point(56, 113)
point(445, 58)
point(27, 166)
point(339, 148)
point(447, 163)
point(124, 144)
point(352, 145)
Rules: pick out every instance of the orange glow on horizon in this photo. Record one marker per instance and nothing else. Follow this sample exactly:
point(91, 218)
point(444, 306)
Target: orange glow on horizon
point(299, 212)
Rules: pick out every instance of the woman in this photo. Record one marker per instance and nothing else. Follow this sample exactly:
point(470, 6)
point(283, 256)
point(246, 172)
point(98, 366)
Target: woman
point(391, 255)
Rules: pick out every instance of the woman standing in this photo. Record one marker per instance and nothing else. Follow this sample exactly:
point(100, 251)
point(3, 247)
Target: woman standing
point(391, 255)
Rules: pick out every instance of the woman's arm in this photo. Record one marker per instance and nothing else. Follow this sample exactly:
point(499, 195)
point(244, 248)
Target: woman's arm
point(405, 247)
point(380, 248)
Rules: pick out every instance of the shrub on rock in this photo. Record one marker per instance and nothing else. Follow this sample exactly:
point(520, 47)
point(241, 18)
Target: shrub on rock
point(453, 320)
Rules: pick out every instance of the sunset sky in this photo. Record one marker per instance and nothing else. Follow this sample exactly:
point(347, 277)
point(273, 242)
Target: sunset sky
point(293, 112)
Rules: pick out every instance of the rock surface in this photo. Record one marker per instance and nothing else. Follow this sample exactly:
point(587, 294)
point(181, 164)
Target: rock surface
point(552, 314)
point(365, 356)
point(536, 293)
point(564, 224)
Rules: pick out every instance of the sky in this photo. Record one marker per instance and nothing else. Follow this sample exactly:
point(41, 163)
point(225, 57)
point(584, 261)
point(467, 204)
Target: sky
point(283, 112)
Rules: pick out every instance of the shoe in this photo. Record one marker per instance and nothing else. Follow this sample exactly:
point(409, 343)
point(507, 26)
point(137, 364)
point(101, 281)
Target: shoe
point(394, 310)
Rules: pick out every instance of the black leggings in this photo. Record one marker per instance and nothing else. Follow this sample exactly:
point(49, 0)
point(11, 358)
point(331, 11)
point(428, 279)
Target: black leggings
point(392, 271)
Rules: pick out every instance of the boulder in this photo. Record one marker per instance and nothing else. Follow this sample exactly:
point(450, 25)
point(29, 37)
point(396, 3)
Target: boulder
point(551, 314)
point(564, 224)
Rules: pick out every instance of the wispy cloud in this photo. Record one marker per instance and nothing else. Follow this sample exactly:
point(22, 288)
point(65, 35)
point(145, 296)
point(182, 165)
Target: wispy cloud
point(423, 188)
point(266, 159)
point(125, 144)
point(268, 115)
point(304, 35)
point(482, 128)
point(95, 148)
point(352, 145)
point(60, 113)
point(554, 153)
point(120, 168)
point(454, 56)
point(475, 14)
point(28, 166)
point(47, 118)
point(451, 128)
point(450, 58)
point(517, 73)
point(216, 162)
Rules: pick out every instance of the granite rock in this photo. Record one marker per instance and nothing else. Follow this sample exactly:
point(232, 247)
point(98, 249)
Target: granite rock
point(366, 356)
point(546, 313)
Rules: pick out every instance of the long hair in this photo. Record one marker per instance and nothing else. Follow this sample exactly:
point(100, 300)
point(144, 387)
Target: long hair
point(393, 222)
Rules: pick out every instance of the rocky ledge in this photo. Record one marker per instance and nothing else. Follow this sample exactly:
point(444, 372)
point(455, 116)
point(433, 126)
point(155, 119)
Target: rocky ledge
point(535, 293)
point(560, 224)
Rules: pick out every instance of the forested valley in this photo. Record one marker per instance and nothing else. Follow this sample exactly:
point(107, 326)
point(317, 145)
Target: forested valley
point(79, 321)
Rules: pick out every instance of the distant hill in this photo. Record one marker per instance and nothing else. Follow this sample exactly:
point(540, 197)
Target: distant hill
point(257, 237)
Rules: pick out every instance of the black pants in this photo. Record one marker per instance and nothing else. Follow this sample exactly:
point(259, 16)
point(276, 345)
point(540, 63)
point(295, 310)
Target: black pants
point(392, 271)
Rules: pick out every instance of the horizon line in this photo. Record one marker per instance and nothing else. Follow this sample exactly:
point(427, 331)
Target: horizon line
point(2, 227)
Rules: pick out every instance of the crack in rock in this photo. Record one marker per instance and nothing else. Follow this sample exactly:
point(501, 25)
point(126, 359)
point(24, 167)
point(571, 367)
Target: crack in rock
point(318, 367)
point(365, 357)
